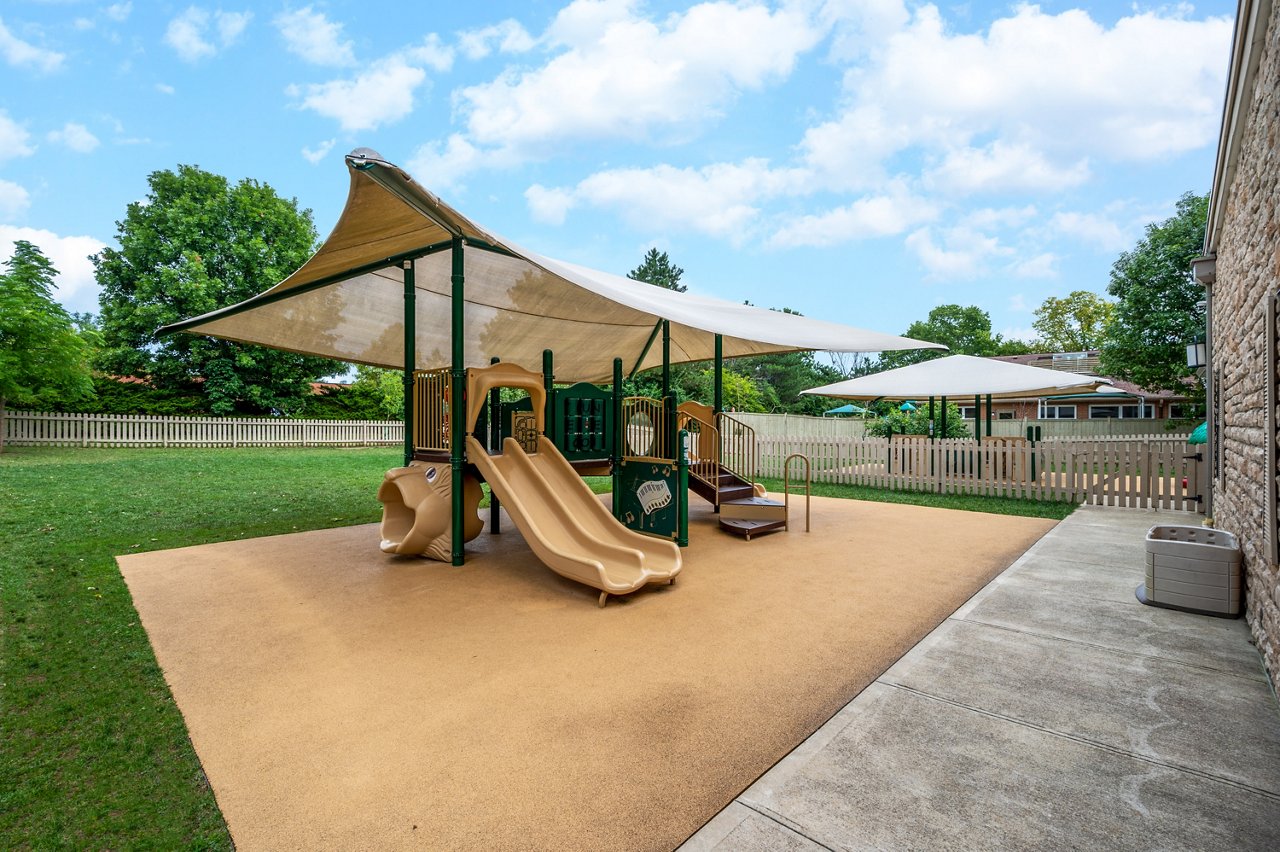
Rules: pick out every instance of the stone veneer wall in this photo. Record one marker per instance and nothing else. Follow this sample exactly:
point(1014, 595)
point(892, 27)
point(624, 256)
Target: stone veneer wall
point(1248, 273)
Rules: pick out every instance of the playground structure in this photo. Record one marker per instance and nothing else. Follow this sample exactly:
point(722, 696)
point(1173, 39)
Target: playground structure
point(405, 281)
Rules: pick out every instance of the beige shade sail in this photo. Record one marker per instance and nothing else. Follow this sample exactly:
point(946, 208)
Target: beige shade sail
point(347, 301)
point(961, 376)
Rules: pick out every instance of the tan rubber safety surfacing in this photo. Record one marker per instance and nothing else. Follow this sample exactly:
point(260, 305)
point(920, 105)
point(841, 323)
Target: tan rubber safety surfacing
point(339, 697)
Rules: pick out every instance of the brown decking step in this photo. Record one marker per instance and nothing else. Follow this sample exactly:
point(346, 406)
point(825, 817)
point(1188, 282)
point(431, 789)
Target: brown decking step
point(747, 527)
point(753, 509)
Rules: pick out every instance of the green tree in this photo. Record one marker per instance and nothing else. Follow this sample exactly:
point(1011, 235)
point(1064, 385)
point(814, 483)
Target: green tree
point(917, 422)
point(196, 244)
point(1075, 323)
point(658, 269)
point(1157, 311)
point(963, 330)
point(42, 354)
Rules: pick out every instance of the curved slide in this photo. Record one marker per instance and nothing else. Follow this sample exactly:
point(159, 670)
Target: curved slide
point(567, 526)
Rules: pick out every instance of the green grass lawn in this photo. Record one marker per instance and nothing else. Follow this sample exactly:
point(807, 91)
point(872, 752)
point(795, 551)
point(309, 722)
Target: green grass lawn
point(93, 751)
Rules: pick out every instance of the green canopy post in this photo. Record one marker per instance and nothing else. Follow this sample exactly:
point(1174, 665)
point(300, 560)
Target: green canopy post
point(549, 384)
point(988, 415)
point(615, 460)
point(977, 432)
point(717, 403)
point(668, 404)
point(495, 446)
point(682, 488)
point(457, 407)
point(410, 356)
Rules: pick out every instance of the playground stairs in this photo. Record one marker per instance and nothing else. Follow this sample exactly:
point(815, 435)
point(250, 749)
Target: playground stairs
point(750, 516)
point(730, 487)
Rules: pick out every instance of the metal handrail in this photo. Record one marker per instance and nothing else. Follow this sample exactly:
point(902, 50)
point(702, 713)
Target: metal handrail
point(786, 489)
point(705, 469)
point(738, 446)
point(431, 390)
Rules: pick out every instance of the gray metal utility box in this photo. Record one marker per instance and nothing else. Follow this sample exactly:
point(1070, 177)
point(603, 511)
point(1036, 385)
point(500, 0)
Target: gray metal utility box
point(1194, 569)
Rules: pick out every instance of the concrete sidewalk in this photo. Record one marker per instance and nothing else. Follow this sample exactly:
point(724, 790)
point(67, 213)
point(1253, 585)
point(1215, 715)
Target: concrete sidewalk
point(1051, 711)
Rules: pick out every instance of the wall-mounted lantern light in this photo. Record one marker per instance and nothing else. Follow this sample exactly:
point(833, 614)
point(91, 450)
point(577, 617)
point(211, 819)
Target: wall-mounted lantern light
point(1197, 357)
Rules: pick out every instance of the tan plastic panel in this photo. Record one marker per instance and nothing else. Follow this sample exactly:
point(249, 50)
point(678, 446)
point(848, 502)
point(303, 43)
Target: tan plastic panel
point(481, 380)
point(416, 502)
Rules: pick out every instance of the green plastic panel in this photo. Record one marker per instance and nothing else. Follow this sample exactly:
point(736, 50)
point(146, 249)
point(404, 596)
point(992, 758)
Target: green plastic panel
point(650, 497)
point(583, 425)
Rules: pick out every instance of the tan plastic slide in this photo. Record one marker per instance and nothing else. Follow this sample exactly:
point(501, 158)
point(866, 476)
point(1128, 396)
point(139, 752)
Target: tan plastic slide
point(567, 526)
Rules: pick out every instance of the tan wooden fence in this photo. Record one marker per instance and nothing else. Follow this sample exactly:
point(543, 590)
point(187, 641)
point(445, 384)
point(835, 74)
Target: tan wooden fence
point(1134, 473)
point(34, 428)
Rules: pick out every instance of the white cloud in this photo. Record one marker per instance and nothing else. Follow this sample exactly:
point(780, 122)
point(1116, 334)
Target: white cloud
point(868, 217)
point(509, 36)
point(14, 201)
point(1096, 230)
point(1003, 167)
point(22, 54)
point(381, 95)
point(1010, 332)
point(118, 12)
point(165, 89)
point(444, 165)
point(549, 205)
point(188, 34)
point(74, 136)
point(82, 24)
point(14, 139)
point(719, 200)
point(961, 253)
point(315, 155)
point(1041, 266)
point(1018, 303)
point(620, 76)
point(432, 53)
point(312, 36)
point(999, 217)
point(1027, 104)
point(77, 288)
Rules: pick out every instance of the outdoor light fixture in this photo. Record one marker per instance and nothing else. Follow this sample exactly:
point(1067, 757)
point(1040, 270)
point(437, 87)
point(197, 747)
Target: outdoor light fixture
point(1196, 355)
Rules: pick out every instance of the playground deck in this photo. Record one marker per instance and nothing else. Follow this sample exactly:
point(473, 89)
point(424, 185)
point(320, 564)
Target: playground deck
point(339, 697)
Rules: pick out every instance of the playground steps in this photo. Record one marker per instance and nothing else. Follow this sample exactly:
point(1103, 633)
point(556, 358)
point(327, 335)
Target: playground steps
point(752, 516)
point(730, 487)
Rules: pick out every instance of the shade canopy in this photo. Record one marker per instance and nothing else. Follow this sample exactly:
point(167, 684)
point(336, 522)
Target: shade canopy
point(347, 301)
point(958, 376)
point(846, 409)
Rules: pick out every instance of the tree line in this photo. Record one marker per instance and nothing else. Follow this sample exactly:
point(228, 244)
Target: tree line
point(199, 242)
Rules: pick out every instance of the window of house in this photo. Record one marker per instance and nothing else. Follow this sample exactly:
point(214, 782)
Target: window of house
point(1184, 411)
point(967, 411)
point(1122, 412)
point(1004, 415)
point(1057, 412)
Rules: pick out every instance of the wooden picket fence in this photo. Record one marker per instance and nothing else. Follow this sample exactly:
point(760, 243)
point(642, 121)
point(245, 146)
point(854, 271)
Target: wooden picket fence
point(52, 429)
point(1133, 473)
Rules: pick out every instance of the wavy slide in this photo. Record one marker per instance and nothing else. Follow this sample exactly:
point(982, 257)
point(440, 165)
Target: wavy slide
point(567, 526)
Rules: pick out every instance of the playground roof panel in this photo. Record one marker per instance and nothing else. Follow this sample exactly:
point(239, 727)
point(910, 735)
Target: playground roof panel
point(960, 376)
point(346, 302)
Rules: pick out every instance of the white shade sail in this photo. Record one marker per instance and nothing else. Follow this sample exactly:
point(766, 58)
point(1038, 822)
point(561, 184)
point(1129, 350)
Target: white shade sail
point(960, 376)
point(347, 301)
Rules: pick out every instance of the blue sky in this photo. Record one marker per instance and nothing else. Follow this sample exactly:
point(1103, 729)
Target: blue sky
point(858, 160)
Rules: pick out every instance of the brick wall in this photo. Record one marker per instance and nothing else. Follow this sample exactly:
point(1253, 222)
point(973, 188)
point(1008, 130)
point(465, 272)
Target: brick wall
point(1248, 273)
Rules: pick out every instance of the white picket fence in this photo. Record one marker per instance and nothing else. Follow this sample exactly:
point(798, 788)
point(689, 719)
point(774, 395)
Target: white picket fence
point(52, 429)
point(1134, 473)
point(801, 426)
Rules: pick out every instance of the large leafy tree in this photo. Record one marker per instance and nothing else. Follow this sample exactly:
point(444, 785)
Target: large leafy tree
point(965, 330)
point(658, 269)
point(195, 244)
point(1076, 322)
point(42, 354)
point(1157, 311)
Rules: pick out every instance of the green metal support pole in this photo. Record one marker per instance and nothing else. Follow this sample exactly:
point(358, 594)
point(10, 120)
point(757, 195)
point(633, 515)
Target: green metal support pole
point(988, 415)
point(946, 467)
point(410, 356)
point(615, 457)
point(495, 446)
point(457, 403)
point(932, 436)
point(682, 487)
point(718, 401)
point(668, 404)
point(977, 431)
point(648, 344)
point(549, 385)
